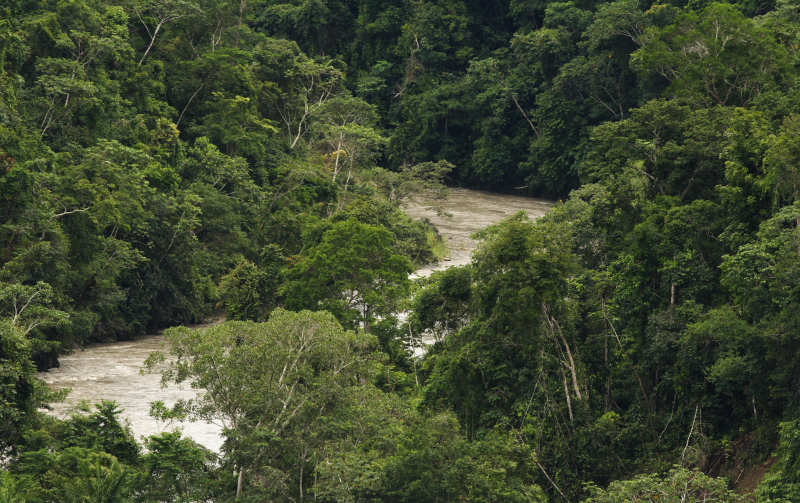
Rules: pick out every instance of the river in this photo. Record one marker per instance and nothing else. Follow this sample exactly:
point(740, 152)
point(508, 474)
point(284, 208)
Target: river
point(111, 371)
point(469, 211)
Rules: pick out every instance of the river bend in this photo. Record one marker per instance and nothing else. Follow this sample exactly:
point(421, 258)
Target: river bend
point(111, 371)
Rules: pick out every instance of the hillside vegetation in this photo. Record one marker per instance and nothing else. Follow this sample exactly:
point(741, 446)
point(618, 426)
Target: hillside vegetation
point(162, 159)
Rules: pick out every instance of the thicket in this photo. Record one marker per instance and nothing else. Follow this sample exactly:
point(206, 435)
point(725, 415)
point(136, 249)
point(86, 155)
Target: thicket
point(160, 159)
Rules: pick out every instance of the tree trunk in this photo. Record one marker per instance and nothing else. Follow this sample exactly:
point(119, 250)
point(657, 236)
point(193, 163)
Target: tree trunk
point(240, 483)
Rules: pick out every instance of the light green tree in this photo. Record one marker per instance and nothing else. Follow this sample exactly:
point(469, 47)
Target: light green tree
point(12, 490)
point(346, 128)
point(717, 55)
point(268, 384)
point(678, 486)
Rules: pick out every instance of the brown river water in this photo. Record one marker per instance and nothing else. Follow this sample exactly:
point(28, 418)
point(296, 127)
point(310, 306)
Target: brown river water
point(111, 371)
point(469, 212)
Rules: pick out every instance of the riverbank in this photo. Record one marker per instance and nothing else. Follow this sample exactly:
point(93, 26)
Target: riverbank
point(112, 371)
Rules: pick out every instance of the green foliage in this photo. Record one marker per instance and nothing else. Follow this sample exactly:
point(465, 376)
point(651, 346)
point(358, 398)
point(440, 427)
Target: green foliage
point(761, 275)
point(781, 483)
point(162, 157)
point(422, 183)
point(272, 385)
point(517, 320)
point(354, 272)
point(87, 458)
point(406, 457)
point(678, 485)
point(442, 306)
point(434, 463)
point(175, 469)
point(25, 310)
point(411, 237)
point(711, 56)
point(12, 489)
point(250, 291)
point(78, 475)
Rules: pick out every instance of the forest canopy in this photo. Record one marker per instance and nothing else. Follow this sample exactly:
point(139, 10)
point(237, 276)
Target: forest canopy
point(162, 160)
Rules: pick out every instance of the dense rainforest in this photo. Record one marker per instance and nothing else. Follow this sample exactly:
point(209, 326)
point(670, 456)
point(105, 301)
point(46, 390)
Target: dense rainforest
point(163, 159)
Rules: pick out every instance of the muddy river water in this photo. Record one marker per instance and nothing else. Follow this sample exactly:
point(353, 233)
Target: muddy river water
point(112, 371)
point(469, 211)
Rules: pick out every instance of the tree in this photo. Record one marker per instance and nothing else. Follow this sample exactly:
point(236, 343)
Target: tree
point(520, 329)
point(717, 56)
point(443, 305)
point(781, 161)
point(305, 84)
point(250, 291)
point(25, 310)
point(414, 239)
point(12, 490)
point(423, 458)
point(89, 477)
point(354, 272)
point(28, 307)
point(88, 458)
point(664, 148)
point(677, 486)
point(346, 126)
point(161, 12)
point(761, 276)
point(175, 469)
point(781, 484)
point(79, 38)
point(422, 183)
point(269, 385)
point(236, 124)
